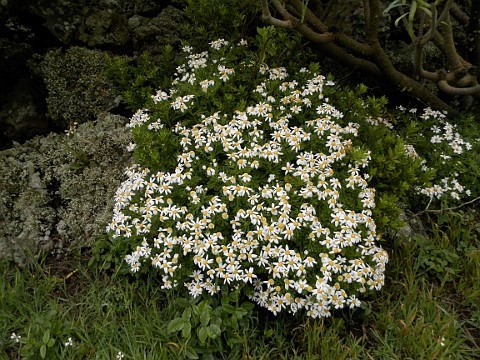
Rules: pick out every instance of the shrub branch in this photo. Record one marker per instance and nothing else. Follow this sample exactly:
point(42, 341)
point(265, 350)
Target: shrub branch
point(432, 26)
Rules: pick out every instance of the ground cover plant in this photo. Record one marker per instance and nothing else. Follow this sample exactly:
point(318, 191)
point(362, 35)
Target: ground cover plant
point(327, 169)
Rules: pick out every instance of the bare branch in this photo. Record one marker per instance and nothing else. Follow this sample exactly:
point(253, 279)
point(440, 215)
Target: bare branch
point(449, 48)
point(317, 37)
point(372, 13)
point(447, 209)
point(268, 18)
point(447, 88)
point(371, 57)
point(344, 40)
point(422, 40)
point(458, 14)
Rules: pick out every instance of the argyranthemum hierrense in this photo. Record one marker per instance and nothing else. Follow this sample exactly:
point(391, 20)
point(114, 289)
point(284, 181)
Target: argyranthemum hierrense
point(265, 195)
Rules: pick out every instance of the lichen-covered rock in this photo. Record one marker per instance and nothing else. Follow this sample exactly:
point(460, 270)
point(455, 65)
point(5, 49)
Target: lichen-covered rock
point(101, 23)
point(56, 192)
point(104, 27)
point(77, 87)
point(152, 34)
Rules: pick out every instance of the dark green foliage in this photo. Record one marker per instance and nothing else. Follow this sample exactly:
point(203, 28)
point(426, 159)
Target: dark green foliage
point(394, 174)
point(210, 328)
point(137, 79)
point(440, 155)
point(229, 19)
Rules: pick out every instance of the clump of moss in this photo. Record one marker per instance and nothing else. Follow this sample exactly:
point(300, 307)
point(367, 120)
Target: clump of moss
point(56, 192)
point(77, 87)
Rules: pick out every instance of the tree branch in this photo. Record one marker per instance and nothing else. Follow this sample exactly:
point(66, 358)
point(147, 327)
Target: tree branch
point(369, 57)
point(447, 209)
point(422, 40)
point(372, 14)
point(268, 18)
point(458, 14)
point(447, 88)
point(449, 49)
point(345, 41)
point(292, 22)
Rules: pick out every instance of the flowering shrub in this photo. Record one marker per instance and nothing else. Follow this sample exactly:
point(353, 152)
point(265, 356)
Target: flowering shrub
point(447, 149)
point(254, 201)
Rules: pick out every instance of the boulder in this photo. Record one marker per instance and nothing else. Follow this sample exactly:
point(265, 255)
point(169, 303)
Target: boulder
point(56, 191)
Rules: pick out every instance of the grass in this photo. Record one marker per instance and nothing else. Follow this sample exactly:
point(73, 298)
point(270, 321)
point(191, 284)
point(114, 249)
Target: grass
point(428, 310)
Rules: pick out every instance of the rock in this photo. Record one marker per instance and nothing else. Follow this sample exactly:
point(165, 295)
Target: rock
point(78, 89)
point(22, 114)
point(56, 191)
point(22, 102)
point(152, 34)
point(104, 27)
point(101, 24)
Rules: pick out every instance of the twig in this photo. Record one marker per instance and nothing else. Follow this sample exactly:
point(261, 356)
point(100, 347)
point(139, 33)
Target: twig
point(446, 209)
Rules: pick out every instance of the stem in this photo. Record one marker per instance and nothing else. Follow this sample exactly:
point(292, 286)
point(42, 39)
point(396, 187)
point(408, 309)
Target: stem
point(447, 88)
point(458, 14)
point(345, 41)
point(446, 209)
point(418, 52)
point(449, 44)
point(372, 12)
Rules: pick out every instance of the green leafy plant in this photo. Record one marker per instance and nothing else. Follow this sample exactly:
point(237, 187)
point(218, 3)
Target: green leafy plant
point(41, 339)
point(108, 255)
point(137, 79)
point(207, 325)
point(218, 184)
point(439, 262)
point(250, 179)
point(229, 19)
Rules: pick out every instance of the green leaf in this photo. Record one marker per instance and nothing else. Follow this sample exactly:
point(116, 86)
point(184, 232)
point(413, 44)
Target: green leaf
point(427, 10)
point(175, 325)
point(400, 18)
point(187, 330)
point(202, 334)
point(269, 333)
point(234, 340)
point(205, 316)
point(190, 353)
point(239, 313)
point(233, 296)
point(392, 5)
point(51, 342)
point(43, 351)
point(208, 356)
point(234, 322)
point(187, 313)
point(214, 331)
point(229, 309)
point(46, 337)
point(248, 306)
point(217, 321)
